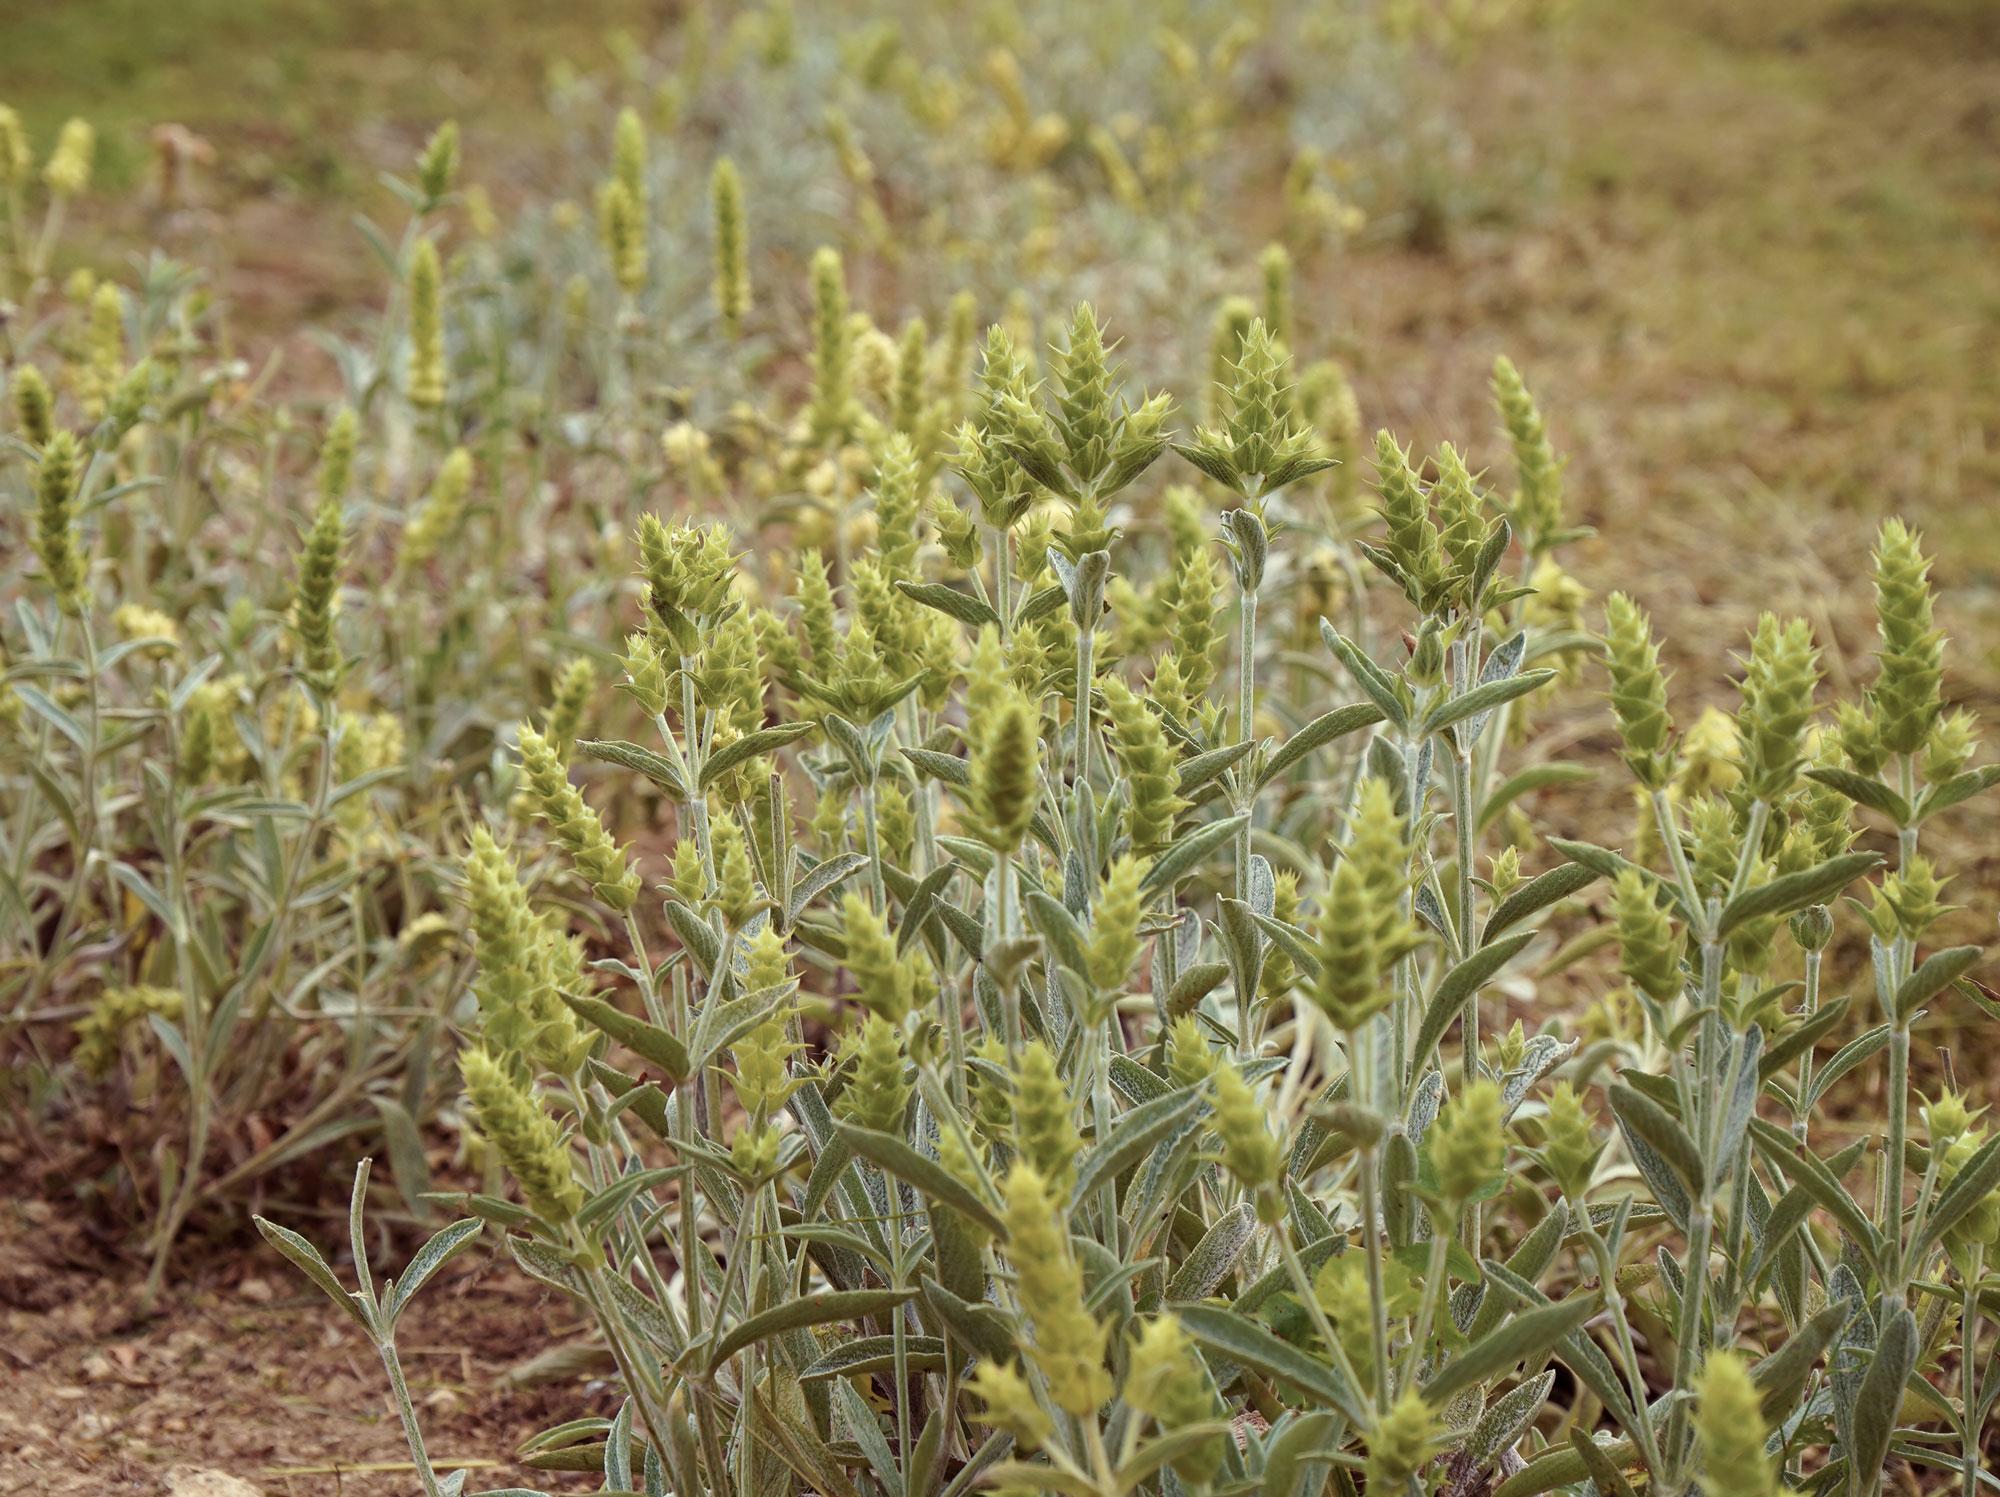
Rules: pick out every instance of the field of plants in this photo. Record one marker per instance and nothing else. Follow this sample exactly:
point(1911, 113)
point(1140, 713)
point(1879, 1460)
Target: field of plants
point(879, 750)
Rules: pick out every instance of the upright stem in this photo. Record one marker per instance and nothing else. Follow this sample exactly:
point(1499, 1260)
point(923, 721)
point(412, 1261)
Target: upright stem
point(1898, 1276)
point(1808, 1006)
point(407, 1412)
point(1246, 714)
point(1970, 1425)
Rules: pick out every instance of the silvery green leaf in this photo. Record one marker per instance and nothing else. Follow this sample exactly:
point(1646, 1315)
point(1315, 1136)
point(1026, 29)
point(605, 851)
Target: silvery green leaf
point(871, 1354)
point(306, 1258)
point(749, 746)
point(1605, 1472)
point(1210, 1260)
point(1246, 1342)
point(1479, 702)
point(1213, 461)
point(432, 1256)
point(1297, 1445)
point(1539, 893)
point(1864, 790)
point(1242, 945)
point(1807, 1170)
point(1447, 1002)
point(1781, 1378)
point(950, 601)
point(1878, 1399)
point(1528, 1262)
point(647, 1041)
point(1794, 891)
point(1189, 851)
point(799, 1314)
point(853, 745)
point(1252, 546)
point(1507, 1419)
point(1066, 938)
point(639, 760)
point(1039, 604)
point(1322, 730)
point(1086, 589)
point(1194, 984)
point(1400, 1169)
point(1380, 688)
point(1503, 663)
point(1425, 1101)
point(1132, 1137)
point(1954, 790)
point(1937, 972)
point(1582, 1355)
point(1976, 1180)
point(926, 1174)
point(1291, 471)
point(1543, 1054)
point(1661, 1148)
point(1198, 771)
point(1529, 1337)
point(1742, 1101)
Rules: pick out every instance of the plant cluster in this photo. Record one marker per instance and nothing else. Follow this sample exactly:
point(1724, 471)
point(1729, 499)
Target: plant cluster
point(978, 944)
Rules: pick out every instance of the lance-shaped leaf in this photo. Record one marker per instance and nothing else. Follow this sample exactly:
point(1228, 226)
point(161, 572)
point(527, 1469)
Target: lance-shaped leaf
point(1189, 852)
point(1244, 1341)
point(1460, 983)
point(306, 1259)
point(1864, 790)
point(807, 1310)
point(1484, 698)
point(1976, 1179)
point(1209, 1261)
point(432, 1256)
point(870, 1354)
point(950, 601)
point(1527, 1337)
point(647, 1041)
point(1805, 1169)
point(929, 1177)
point(749, 746)
point(639, 760)
point(1645, 1122)
point(1794, 891)
point(1538, 893)
point(1132, 1137)
point(1879, 1403)
point(1380, 688)
point(1317, 734)
point(1935, 973)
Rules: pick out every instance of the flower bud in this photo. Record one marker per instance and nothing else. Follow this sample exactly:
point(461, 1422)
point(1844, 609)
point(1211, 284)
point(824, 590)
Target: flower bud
point(528, 1139)
point(1730, 1430)
point(1068, 1343)
point(1401, 1444)
point(1468, 1143)
point(1651, 948)
point(1907, 694)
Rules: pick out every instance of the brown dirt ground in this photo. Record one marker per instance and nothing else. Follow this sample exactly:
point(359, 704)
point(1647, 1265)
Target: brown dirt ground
point(243, 1373)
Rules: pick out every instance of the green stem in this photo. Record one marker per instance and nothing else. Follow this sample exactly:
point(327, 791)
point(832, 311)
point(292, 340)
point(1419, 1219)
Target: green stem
point(407, 1412)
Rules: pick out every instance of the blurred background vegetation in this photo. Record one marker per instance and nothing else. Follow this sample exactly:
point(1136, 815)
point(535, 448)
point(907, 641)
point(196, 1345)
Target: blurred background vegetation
point(1748, 251)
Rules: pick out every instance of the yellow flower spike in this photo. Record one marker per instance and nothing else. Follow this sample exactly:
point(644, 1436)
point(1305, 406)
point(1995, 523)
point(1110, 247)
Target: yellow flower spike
point(1068, 1344)
point(732, 249)
point(426, 382)
point(68, 171)
point(528, 1140)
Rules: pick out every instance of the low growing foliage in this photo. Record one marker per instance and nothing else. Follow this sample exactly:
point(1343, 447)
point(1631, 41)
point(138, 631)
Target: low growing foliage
point(965, 910)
